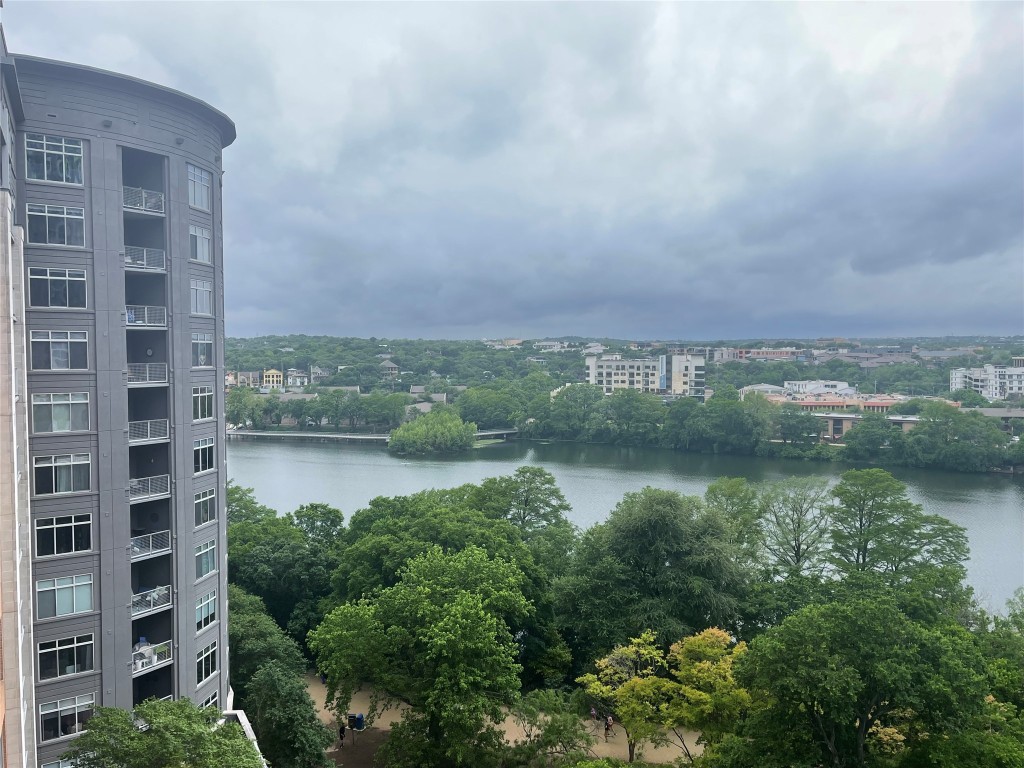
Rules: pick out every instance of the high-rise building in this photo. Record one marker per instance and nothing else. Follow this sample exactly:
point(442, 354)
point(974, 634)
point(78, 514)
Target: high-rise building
point(112, 433)
point(674, 374)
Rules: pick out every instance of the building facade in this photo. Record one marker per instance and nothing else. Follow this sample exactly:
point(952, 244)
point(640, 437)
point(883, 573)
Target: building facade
point(996, 382)
point(114, 568)
point(675, 374)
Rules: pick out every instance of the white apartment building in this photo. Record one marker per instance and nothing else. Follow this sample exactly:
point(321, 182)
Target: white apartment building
point(667, 374)
point(819, 387)
point(612, 372)
point(996, 382)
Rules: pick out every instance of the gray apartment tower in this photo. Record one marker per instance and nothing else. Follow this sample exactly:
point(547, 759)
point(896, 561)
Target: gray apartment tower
point(113, 571)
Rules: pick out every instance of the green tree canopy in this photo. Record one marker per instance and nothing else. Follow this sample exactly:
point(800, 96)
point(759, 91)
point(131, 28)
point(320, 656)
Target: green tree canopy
point(176, 734)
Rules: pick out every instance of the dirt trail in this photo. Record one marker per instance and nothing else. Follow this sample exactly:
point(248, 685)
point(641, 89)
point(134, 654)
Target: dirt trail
point(360, 748)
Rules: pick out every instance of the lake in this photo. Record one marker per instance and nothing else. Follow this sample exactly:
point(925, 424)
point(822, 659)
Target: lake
point(594, 478)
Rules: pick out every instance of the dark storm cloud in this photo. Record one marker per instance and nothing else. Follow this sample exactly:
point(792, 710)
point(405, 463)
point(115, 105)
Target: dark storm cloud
point(692, 171)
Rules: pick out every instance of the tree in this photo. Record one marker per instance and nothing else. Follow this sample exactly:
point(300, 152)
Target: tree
point(949, 438)
point(533, 503)
point(440, 430)
point(571, 409)
point(968, 398)
point(628, 682)
point(797, 427)
point(439, 641)
point(794, 526)
point(176, 734)
point(242, 506)
point(661, 561)
point(707, 698)
point(285, 719)
point(876, 527)
point(255, 639)
point(872, 437)
point(833, 674)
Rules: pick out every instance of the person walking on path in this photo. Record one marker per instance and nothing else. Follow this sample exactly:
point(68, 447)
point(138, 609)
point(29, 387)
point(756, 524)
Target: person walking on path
point(608, 727)
point(341, 736)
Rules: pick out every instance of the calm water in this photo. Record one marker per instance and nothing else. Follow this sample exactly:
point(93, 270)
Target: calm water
point(594, 478)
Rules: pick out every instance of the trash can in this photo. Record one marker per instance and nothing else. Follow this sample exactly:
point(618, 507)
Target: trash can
point(360, 721)
point(352, 721)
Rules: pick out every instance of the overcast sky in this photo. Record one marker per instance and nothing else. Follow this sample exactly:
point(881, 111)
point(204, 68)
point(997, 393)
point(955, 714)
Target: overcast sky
point(701, 171)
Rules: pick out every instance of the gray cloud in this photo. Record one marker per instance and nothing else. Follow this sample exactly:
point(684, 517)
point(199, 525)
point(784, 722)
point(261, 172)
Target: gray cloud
point(683, 170)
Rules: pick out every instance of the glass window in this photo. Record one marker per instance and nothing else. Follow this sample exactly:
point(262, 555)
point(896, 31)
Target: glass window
point(206, 507)
point(210, 701)
point(65, 717)
point(206, 610)
point(202, 455)
point(199, 183)
point(202, 350)
point(59, 764)
point(199, 240)
point(202, 297)
point(206, 662)
point(202, 401)
point(53, 158)
point(69, 656)
point(56, 225)
point(50, 287)
point(64, 596)
point(60, 350)
point(63, 535)
point(60, 412)
point(65, 473)
point(206, 559)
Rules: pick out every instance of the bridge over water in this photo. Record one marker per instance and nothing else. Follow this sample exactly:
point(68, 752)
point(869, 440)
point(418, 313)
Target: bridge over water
point(340, 437)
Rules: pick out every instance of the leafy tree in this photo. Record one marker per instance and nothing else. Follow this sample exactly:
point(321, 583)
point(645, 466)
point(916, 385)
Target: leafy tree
point(572, 408)
point(285, 719)
point(835, 672)
point(949, 438)
point(707, 698)
point(533, 503)
point(176, 734)
point(439, 642)
point(968, 398)
point(628, 681)
point(661, 561)
point(876, 527)
point(243, 507)
point(255, 639)
point(872, 437)
point(797, 427)
point(794, 525)
point(438, 431)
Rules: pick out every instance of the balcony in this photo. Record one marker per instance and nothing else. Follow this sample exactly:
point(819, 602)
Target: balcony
point(147, 373)
point(146, 657)
point(151, 600)
point(150, 544)
point(150, 431)
point(145, 316)
point(140, 488)
point(147, 200)
point(147, 259)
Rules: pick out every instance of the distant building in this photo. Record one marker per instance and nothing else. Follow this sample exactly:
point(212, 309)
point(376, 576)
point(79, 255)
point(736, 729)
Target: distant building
point(819, 387)
point(318, 374)
point(996, 382)
point(682, 374)
point(668, 374)
point(296, 378)
point(612, 372)
point(389, 369)
point(594, 348)
point(272, 378)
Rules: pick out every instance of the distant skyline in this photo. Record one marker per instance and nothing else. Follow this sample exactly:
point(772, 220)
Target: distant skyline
point(699, 171)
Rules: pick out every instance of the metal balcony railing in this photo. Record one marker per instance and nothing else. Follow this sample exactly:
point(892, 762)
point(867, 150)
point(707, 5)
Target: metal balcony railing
point(146, 487)
point(142, 431)
point(139, 199)
point(150, 656)
point(150, 544)
point(138, 314)
point(168, 697)
point(147, 373)
point(151, 259)
point(151, 599)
